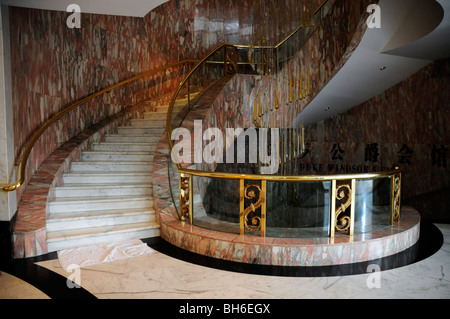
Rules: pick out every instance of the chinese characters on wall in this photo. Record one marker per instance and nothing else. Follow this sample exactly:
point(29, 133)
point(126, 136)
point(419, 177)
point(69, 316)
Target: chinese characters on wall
point(337, 162)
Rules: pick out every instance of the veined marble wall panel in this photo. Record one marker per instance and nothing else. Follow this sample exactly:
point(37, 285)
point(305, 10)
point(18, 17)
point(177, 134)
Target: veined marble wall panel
point(407, 124)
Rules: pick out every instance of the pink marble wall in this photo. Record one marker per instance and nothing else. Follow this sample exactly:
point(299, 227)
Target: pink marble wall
point(53, 65)
point(328, 46)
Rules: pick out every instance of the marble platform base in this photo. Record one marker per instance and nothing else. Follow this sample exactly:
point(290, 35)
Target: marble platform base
point(294, 251)
point(276, 251)
point(271, 251)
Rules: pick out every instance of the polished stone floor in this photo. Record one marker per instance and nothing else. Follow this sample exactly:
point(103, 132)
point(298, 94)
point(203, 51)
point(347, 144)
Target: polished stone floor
point(168, 274)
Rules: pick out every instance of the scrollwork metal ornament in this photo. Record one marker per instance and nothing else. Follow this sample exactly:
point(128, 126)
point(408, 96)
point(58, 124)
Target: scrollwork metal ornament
point(252, 193)
point(184, 197)
point(342, 223)
point(396, 202)
point(231, 60)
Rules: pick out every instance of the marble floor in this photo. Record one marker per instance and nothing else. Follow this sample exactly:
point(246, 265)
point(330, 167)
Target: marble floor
point(162, 276)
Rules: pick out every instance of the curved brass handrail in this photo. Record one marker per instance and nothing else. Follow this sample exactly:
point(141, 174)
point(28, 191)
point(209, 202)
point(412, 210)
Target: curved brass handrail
point(180, 87)
point(291, 178)
point(23, 162)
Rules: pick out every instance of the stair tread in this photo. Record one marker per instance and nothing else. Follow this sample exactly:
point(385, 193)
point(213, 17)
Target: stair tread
point(128, 143)
point(99, 213)
point(98, 231)
point(90, 162)
point(109, 173)
point(120, 152)
point(61, 200)
point(103, 185)
point(135, 135)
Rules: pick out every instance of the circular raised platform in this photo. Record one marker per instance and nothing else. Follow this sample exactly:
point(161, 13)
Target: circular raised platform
point(294, 251)
point(289, 252)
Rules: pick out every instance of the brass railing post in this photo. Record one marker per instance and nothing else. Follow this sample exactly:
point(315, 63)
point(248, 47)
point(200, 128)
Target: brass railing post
point(186, 202)
point(333, 209)
point(241, 207)
point(263, 208)
point(396, 197)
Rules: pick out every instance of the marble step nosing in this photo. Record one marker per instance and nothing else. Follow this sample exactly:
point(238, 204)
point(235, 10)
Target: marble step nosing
point(88, 219)
point(101, 235)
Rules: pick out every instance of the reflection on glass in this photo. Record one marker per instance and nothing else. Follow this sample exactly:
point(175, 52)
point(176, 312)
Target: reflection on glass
point(372, 204)
point(298, 209)
point(216, 204)
point(174, 183)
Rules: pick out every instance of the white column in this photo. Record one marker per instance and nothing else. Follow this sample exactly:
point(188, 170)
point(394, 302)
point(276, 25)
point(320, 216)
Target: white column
point(8, 201)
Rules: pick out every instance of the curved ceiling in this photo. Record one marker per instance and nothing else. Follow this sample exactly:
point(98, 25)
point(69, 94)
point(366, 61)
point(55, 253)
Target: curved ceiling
point(371, 71)
point(133, 8)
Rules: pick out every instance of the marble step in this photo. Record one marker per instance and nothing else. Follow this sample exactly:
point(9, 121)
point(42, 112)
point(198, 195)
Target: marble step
point(83, 204)
point(148, 123)
point(78, 220)
point(100, 235)
point(133, 138)
point(117, 156)
point(111, 177)
point(140, 130)
point(103, 190)
point(124, 147)
point(110, 166)
point(159, 116)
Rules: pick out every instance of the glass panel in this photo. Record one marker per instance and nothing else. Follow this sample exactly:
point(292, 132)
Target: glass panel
point(373, 204)
point(174, 182)
point(216, 204)
point(298, 209)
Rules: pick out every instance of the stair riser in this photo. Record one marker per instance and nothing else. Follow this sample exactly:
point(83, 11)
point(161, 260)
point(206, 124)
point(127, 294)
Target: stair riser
point(61, 224)
point(110, 167)
point(59, 208)
point(102, 192)
point(155, 116)
point(99, 240)
point(132, 139)
point(116, 157)
point(108, 179)
point(140, 130)
point(149, 123)
point(124, 148)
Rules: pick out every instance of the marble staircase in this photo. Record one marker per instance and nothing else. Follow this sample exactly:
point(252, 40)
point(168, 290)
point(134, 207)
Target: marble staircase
point(108, 195)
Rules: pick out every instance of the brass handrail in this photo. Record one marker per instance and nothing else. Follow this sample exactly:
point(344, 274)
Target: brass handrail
point(38, 134)
point(186, 79)
point(291, 178)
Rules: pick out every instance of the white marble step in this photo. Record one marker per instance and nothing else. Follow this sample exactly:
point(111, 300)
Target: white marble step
point(78, 220)
point(117, 156)
point(148, 123)
point(140, 130)
point(112, 177)
point(133, 138)
point(83, 204)
point(110, 166)
point(124, 147)
point(103, 190)
point(100, 235)
point(159, 116)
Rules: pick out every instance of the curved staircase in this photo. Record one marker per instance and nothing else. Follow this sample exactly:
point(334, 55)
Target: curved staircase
point(107, 195)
